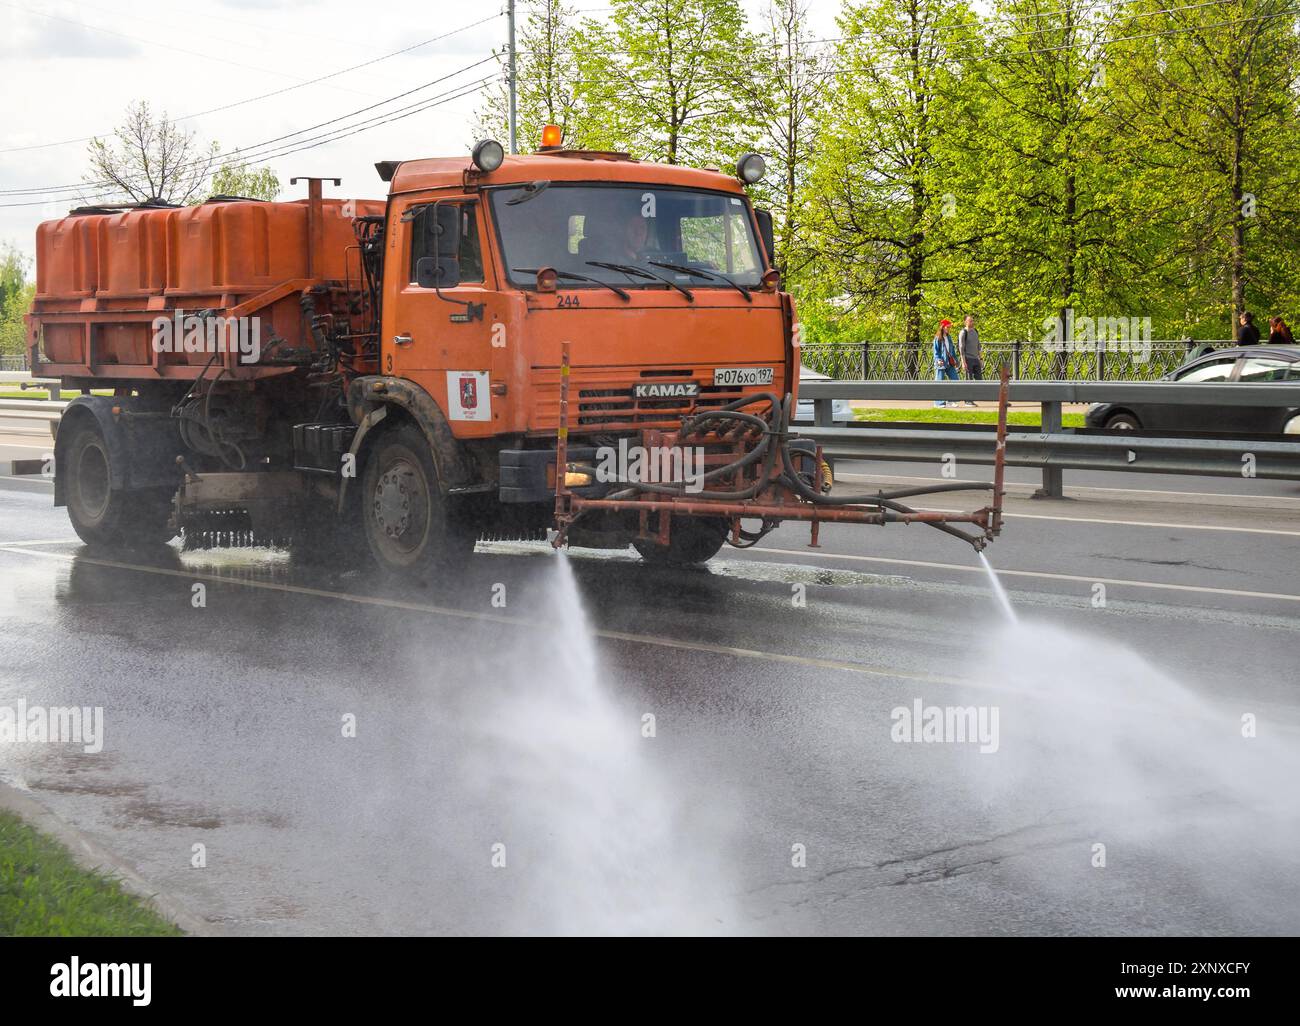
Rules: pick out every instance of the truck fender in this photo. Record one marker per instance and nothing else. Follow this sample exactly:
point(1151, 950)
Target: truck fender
point(141, 454)
point(372, 418)
point(375, 391)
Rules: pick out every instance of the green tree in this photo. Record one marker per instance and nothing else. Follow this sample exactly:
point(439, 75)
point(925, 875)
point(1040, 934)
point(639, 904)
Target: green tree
point(886, 216)
point(783, 91)
point(548, 80)
point(662, 77)
point(1214, 103)
point(245, 180)
point(16, 294)
point(1046, 174)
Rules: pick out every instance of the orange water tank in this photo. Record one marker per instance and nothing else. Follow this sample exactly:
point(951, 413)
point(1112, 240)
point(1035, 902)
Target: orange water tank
point(103, 277)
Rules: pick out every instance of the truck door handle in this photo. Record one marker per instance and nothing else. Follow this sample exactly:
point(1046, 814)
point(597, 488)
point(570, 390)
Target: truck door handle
point(402, 340)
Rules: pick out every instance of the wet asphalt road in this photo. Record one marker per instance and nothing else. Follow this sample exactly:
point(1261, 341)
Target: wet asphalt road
point(772, 677)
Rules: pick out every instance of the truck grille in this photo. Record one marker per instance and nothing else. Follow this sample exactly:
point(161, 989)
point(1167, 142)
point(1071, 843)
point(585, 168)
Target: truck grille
point(601, 398)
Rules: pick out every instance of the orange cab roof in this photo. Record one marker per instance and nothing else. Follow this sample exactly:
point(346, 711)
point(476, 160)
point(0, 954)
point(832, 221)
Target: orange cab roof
point(563, 166)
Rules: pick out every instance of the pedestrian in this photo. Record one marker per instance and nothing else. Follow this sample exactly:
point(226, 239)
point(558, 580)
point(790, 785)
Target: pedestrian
point(1249, 334)
point(945, 357)
point(1279, 334)
point(968, 345)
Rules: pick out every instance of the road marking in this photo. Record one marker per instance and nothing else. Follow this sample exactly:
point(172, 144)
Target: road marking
point(28, 479)
point(469, 614)
point(1095, 488)
point(1042, 574)
point(1118, 523)
point(1131, 523)
point(637, 639)
point(1154, 523)
point(16, 547)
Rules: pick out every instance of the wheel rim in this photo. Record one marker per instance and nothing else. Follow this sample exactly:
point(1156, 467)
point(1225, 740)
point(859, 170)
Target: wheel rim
point(1122, 425)
point(92, 481)
point(400, 507)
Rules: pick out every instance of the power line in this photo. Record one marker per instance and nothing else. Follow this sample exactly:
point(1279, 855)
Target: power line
point(276, 92)
point(459, 92)
point(245, 151)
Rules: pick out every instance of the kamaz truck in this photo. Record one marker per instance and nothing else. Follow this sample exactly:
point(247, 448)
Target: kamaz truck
point(571, 342)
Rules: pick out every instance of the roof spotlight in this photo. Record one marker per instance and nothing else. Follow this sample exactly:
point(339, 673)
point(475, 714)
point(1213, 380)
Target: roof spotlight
point(750, 167)
point(488, 155)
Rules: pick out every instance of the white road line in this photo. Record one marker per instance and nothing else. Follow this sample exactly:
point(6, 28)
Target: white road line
point(1042, 574)
point(16, 547)
point(1093, 488)
point(28, 479)
point(1132, 523)
point(637, 639)
point(469, 614)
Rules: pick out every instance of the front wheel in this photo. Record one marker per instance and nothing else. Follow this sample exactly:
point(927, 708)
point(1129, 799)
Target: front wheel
point(409, 527)
point(1123, 422)
point(101, 514)
point(691, 541)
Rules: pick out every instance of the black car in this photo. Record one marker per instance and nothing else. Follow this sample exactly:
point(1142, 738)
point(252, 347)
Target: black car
point(1254, 364)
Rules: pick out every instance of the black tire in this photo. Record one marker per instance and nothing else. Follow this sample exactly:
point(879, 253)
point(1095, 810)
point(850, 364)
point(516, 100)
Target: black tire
point(410, 530)
point(101, 514)
point(692, 540)
point(1123, 422)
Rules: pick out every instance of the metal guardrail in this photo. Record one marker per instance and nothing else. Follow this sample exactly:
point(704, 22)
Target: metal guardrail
point(1054, 448)
point(43, 411)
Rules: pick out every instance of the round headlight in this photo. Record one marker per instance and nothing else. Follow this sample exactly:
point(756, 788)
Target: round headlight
point(488, 155)
point(750, 168)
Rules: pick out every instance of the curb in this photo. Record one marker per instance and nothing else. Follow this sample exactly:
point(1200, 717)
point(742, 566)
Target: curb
point(89, 855)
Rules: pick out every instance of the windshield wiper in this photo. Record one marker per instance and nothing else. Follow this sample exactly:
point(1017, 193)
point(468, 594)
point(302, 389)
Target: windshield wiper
point(530, 190)
point(641, 272)
point(713, 275)
point(571, 276)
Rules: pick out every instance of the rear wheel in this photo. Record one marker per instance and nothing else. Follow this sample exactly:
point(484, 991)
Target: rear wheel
point(692, 540)
point(1122, 422)
point(104, 515)
point(408, 524)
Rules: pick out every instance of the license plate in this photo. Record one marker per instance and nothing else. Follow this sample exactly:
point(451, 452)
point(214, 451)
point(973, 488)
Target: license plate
point(742, 376)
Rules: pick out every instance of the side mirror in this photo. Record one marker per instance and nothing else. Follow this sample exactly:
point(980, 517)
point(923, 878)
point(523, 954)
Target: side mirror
point(440, 272)
point(766, 233)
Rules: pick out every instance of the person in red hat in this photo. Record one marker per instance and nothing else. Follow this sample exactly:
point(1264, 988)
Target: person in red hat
point(945, 357)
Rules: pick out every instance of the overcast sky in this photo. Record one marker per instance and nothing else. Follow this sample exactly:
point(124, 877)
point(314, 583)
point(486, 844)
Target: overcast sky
point(69, 69)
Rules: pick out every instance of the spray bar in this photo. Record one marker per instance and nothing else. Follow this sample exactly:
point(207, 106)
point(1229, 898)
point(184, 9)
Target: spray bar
point(762, 477)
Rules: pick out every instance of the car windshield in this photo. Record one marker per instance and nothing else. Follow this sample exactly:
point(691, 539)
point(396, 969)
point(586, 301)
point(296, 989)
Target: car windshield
point(706, 237)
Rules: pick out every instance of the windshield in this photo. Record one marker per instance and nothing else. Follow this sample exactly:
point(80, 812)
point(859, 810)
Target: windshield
point(707, 237)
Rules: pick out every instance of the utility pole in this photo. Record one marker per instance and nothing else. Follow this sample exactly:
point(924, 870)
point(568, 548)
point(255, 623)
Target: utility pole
point(510, 16)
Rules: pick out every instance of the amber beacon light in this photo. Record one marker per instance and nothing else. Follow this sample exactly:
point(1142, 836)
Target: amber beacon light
point(552, 137)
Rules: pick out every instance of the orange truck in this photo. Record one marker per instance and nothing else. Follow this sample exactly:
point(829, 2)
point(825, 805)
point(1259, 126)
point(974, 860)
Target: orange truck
point(569, 341)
